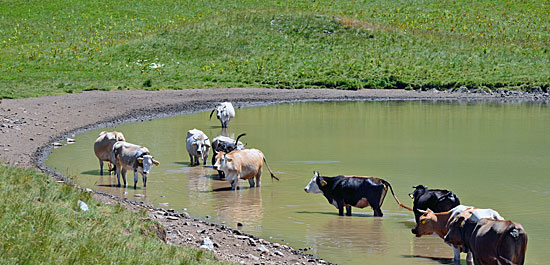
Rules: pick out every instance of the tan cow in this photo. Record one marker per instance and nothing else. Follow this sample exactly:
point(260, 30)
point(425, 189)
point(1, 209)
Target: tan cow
point(103, 147)
point(243, 164)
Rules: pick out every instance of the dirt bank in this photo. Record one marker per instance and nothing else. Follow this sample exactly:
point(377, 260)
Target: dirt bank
point(28, 127)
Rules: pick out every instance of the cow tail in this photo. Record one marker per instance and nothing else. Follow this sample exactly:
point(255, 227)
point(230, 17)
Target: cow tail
point(392, 193)
point(212, 113)
point(272, 175)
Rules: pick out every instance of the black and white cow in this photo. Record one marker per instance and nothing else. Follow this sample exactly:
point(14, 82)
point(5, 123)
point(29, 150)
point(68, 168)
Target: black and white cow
point(227, 145)
point(435, 200)
point(357, 191)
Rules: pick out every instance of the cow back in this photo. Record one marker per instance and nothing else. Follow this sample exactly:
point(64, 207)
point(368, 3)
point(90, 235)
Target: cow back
point(246, 162)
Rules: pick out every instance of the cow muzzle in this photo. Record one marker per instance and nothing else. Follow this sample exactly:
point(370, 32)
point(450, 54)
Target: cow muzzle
point(415, 231)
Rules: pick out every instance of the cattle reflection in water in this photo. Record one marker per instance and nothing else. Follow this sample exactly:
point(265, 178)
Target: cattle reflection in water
point(353, 235)
point(244, 206)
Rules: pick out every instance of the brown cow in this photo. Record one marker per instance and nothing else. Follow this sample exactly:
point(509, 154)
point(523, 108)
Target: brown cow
point(103, 147)
point(243, 164)
point(438, 223)
point(490, 241)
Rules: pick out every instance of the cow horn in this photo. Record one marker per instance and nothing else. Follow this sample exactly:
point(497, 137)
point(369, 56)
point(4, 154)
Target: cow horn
point(238, 137)
point(421, 211)
point(212, 113)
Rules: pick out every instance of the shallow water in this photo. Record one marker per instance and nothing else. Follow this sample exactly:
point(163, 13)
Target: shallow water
point(491, 155)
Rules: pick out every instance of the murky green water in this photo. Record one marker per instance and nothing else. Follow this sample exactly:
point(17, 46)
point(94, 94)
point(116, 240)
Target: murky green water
point(492, 155)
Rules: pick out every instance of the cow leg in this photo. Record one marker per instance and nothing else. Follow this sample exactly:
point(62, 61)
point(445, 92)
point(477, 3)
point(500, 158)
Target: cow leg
point(191, 158)
point(135, 178)
point(340, 208)
point(377, 211)
point(469, 258)
point(258, 176)
point(100, 167)
point(214, 154)
point(144, 177)
point(456, 257)
point(251, 182)
point(118, 177)
point(348, 210)
point(124, 177)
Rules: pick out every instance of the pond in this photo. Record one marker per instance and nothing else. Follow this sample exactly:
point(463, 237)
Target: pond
point(492, 155)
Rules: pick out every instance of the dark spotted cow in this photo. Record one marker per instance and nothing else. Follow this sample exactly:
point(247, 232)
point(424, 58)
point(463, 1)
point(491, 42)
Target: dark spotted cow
point(350, 191)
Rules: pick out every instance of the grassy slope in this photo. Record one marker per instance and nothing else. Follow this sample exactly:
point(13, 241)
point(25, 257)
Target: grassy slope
point(63, 47)
point(41, 223)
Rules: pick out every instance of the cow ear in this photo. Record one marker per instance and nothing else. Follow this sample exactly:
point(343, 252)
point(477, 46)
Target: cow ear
point(323, 182)
point(140, 159)
point(156, 162)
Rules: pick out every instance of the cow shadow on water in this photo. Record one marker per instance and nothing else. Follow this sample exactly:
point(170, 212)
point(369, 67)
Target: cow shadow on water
point(437, 259)
point(336, 214)
point(95, 172)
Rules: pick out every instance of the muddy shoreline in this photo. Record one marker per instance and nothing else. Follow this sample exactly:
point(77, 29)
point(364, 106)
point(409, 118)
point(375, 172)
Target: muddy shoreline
point(29, 127)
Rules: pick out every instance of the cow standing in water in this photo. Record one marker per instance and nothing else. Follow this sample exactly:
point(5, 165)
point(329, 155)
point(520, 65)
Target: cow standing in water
point(103, 147)
point(225, 112)
point(346, 191)
point(242, 164)
point(492, 242)
point(197, 146)
point(438, 223)
point(433, 199)
point(127, 156)
point(227, 145)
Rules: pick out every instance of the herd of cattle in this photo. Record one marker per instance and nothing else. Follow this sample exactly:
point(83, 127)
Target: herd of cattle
point(481, 233)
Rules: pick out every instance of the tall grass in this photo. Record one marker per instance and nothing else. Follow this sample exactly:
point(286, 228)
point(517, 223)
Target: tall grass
point(57, 47)
point(41, 223)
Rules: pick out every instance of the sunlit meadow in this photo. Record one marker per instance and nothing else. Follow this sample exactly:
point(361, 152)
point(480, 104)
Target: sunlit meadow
point(56, 47)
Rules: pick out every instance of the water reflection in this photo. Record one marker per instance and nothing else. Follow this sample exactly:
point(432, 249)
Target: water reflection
point(244, 206)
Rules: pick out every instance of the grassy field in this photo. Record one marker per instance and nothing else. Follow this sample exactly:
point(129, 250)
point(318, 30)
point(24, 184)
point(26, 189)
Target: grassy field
point(54, 47)
point(41, 223)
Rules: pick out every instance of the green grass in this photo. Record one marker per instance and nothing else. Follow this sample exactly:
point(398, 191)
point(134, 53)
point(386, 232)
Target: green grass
point(41, 223)
point(56, 47)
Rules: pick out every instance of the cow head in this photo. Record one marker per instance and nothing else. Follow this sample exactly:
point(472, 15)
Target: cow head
point(201, 145)
point(454, 236)
point(419, 190)
point(223, 161)
point(147, 162)
point(314, 183)
point(427, 224)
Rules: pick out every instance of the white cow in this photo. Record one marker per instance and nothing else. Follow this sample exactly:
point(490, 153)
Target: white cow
point(197, 146)
point(225, 112)
point(103, 147)
point(127, 156)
